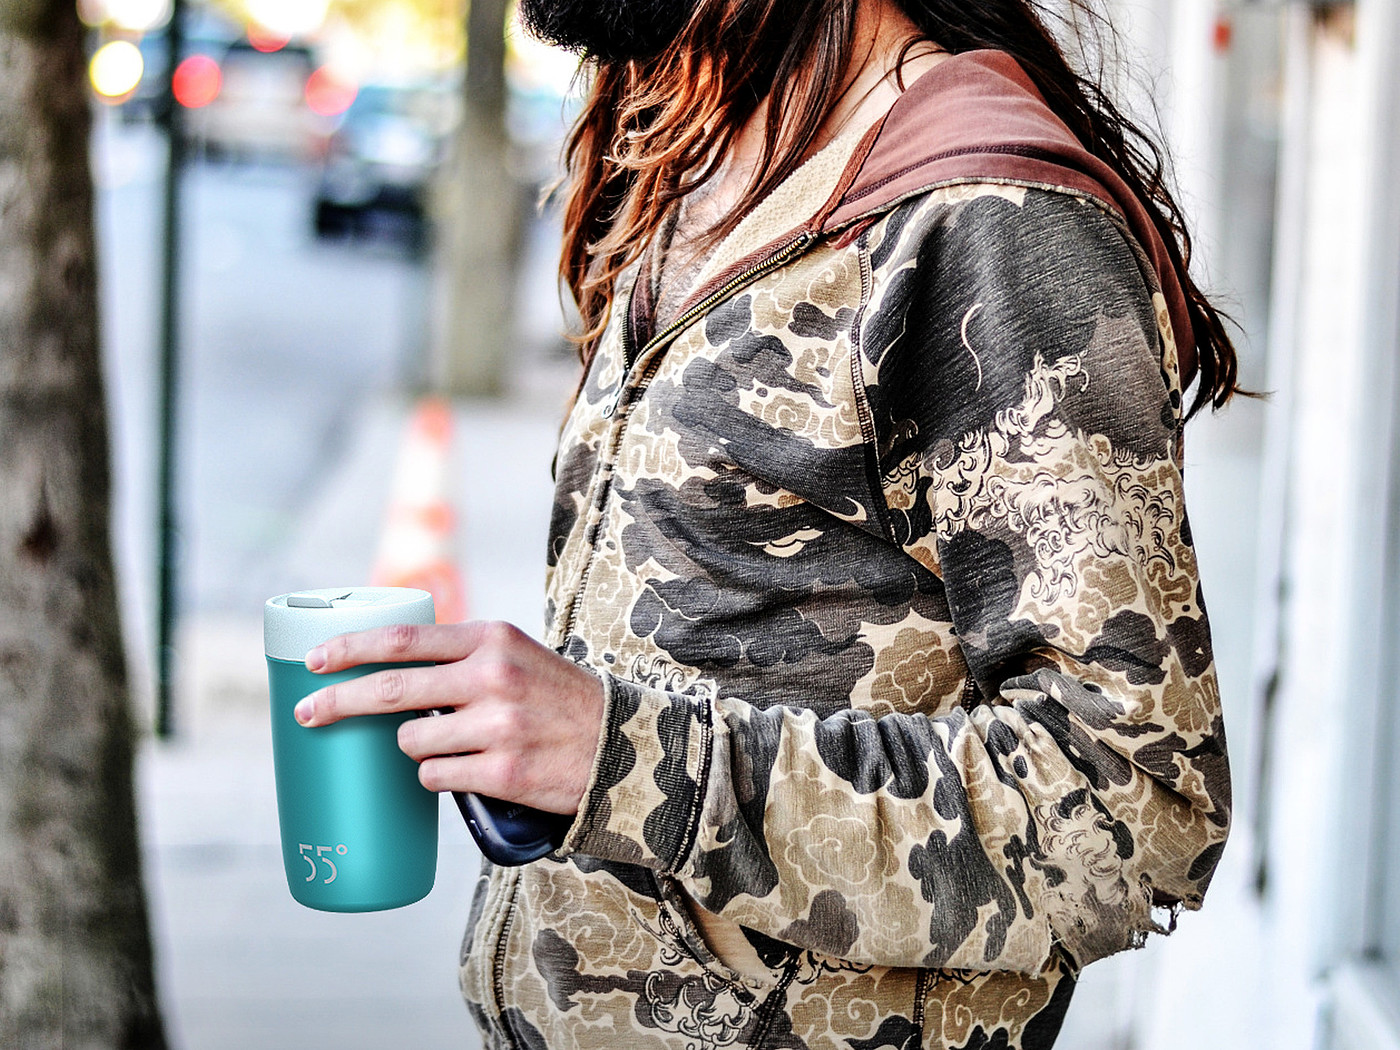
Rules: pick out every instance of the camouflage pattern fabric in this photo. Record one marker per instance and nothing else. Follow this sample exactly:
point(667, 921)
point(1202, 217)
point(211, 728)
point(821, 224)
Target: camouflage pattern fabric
point(911, 708)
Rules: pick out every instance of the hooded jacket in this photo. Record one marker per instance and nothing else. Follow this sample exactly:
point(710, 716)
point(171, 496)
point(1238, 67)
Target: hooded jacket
point(880, 551)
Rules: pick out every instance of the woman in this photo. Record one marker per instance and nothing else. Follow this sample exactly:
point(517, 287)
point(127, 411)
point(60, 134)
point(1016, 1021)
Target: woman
point(877, 673)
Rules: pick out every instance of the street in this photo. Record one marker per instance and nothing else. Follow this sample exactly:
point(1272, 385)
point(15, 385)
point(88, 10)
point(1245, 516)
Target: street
point(284, 340)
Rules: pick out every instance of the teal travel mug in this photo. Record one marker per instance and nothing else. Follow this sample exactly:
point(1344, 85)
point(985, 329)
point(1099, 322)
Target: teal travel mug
point(359, 832)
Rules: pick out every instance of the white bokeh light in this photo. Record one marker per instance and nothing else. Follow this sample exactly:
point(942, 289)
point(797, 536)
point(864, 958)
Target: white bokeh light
point(289, 18)
point(116, 69)
point(139, 16)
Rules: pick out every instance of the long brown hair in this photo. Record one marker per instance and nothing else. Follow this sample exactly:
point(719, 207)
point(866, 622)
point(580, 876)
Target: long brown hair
point(653, 130)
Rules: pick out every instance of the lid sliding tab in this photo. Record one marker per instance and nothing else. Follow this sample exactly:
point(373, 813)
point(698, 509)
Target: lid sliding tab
point(312, 600)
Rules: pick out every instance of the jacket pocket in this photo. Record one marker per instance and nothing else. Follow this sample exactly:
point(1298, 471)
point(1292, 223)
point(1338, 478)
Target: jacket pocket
point(717, 944)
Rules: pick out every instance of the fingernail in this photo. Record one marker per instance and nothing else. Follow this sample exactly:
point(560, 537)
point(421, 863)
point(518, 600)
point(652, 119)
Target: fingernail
point(304, 710)
point(316, 659)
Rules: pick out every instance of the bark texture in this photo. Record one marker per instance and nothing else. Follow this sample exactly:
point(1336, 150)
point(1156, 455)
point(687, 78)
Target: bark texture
point(75, 952)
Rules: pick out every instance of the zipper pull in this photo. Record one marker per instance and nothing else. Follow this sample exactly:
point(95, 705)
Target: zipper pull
point(610, 409)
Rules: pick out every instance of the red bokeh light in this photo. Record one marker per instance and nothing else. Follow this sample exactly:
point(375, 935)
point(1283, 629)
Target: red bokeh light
point(328, 94)
point(1223, 34)
point(196, 81)
point(264, 39)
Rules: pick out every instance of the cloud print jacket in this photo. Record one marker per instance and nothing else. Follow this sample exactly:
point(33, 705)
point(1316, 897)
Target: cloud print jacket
point(881, 552)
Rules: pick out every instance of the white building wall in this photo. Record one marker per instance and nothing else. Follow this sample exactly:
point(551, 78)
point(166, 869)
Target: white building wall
point(1304, 792)
point(1302, 490)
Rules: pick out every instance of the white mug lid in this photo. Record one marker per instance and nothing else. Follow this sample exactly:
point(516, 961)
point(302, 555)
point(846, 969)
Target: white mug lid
point(297, 622)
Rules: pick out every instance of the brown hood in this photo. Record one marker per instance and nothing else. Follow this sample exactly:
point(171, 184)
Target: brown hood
point(977, 116)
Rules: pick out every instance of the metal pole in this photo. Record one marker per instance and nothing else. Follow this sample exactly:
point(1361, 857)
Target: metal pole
point(166, 590)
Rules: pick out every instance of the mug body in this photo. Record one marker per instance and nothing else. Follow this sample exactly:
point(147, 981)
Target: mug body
point(359, 832)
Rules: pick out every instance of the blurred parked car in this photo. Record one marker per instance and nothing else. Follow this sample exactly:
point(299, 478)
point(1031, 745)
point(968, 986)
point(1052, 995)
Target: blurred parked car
point(260, 112)
point(380, 160)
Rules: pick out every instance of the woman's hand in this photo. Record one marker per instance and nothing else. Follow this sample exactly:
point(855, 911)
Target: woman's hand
point(521, 723)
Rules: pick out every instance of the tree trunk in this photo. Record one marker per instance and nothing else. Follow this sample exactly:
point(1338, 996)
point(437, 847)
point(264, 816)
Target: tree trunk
point(479, 219)
point(75, 952)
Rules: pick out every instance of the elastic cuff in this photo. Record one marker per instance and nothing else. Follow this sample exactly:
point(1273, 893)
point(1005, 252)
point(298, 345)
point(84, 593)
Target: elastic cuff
point(583, 816)
point(644, 793)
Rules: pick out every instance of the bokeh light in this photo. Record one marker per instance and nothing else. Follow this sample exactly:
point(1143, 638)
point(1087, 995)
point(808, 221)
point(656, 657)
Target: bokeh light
point(92, 12)
point(139, 16)
point(197, 81)
point(289, 18)
point(116, 69)
point(329, 94)
point(265, 39)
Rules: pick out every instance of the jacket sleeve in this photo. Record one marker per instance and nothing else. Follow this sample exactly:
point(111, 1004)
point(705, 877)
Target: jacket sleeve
point(1029, 420)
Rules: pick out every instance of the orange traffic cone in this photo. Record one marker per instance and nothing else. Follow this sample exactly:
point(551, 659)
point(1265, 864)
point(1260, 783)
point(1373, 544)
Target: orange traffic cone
point(415, 546)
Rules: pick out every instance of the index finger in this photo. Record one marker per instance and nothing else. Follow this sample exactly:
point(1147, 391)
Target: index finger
point(401, 643)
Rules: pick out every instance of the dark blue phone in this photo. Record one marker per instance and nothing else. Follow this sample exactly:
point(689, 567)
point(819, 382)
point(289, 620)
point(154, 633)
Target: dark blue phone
point(508, 833)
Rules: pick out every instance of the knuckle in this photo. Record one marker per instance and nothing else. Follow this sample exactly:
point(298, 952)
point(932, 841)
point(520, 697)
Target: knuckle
point(498, 676)
point(500, 634)
point(402, 638)
point(338, 651)
point(508, 773)
point(328, 703)
point(507, 723)
point(388, 687)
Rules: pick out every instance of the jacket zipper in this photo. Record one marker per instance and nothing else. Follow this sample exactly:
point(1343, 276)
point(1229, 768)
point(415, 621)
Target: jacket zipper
point(630, 358)
point(793, 247)
point(498, 989)
point(775, 1001)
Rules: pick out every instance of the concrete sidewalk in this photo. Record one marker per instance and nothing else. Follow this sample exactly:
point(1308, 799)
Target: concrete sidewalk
point(241, 965)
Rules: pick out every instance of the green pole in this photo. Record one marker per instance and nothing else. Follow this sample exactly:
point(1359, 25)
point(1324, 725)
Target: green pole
point(167, 581)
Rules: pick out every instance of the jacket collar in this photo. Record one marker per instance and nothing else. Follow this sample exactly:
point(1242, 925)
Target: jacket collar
point(974, 117)
point(978, 117)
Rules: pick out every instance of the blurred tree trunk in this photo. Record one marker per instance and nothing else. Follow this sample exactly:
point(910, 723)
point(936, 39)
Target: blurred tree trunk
point(479, 213)
point(75, 951)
